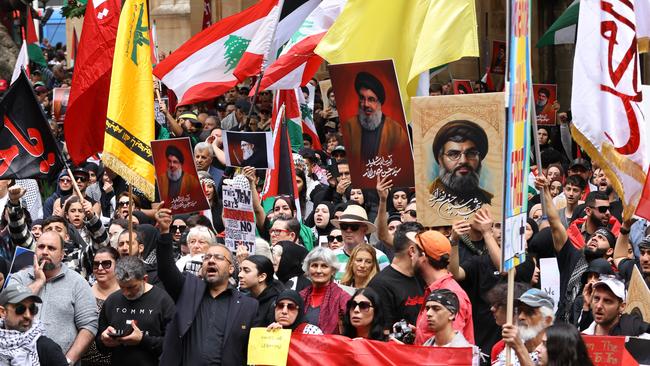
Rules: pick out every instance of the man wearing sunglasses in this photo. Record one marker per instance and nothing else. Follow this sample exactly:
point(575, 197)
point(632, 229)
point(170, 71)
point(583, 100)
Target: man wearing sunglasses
point(19, 329)
point(597, 213)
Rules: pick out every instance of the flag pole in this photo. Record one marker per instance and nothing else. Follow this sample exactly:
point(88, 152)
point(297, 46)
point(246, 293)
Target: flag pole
point(130, 225)
point(538, 159)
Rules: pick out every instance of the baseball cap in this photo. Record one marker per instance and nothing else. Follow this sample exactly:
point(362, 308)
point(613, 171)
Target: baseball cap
point(78, 171)
point(338, 148)
point(615, 285)
point(15, 293)
point(600, 266)
point(431, 242)
point(191, 117)
point(40, 89)
point(536, 298)
point(645, 243)
point(580, 162)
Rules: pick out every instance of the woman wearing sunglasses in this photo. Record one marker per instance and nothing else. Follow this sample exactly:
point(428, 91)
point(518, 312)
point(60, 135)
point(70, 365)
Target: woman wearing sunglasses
point(289, 315)
point(361, 267)
point(122, 205)
point(335, 239)
point(363, 316)
point(105, 284)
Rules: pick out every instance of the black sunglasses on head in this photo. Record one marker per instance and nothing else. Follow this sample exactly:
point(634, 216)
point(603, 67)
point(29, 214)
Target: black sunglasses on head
point(21, 308)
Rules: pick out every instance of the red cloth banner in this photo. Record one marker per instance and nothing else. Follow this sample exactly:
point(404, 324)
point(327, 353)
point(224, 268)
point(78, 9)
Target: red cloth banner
point(339, 350)
point(608, 351)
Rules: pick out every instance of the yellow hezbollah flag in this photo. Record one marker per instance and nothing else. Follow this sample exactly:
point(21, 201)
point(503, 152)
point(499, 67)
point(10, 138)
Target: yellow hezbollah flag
point(130, 115)
point(417, 34)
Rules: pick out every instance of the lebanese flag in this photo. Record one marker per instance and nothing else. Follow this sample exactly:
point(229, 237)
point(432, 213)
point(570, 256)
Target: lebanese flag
point(33, 47)
point(281, 180)
point(290, 100)
point(85, 119)
point(487, 79)
point(298, 63)
point(283, 21)
point(307, 112)
point(202, 68)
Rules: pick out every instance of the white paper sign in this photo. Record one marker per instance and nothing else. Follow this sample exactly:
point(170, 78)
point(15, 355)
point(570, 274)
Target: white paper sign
point(238, 217)
point(550, 278)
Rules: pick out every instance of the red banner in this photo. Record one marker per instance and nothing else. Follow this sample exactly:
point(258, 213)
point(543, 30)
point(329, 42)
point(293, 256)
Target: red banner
point(608, 351)
point(339, 350)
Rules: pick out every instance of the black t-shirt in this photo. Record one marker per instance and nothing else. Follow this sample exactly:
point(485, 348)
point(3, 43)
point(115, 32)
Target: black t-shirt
point(152, 312)
point(401, 296)
point(567, 258)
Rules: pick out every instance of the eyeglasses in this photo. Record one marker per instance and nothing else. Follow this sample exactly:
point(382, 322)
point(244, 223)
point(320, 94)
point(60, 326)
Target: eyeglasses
point(289, 305)
point(413, 213)
point(331, 238)
point(278, 231)
point(363, 305)
point(123, 203)
point(454, 155)
point(105, 264)
point(21, 308)
point(352, 227)
point(601, 209)
point(176, 228)
point(65, 180)
point(217, 257)
point(80, 179)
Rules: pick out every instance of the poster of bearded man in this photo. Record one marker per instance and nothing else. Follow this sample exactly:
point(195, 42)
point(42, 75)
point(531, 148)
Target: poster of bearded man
point(457, 151)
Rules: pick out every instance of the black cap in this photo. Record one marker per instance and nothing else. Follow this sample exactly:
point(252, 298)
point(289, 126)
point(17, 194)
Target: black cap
point(580, 162)
point(600, 266)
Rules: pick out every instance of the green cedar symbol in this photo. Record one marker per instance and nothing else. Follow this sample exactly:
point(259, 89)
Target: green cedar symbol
point(300, 32)
point(235, 48)
point(139, 37)
point(306, 112)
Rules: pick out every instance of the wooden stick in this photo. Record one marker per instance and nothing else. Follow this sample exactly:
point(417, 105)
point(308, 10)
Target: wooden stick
point(510, 307)
point(130, 215)
point(77, 191)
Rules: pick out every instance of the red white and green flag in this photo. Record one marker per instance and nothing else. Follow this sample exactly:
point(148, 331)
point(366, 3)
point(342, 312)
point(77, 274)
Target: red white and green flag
point(307, 112)
point(283, 21)
point(202, 68)
point(33, 48)
point(290, 100)
point(298, 63)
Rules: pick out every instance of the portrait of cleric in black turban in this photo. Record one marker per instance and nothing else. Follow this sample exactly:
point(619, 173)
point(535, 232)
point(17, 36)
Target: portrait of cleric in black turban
point(459, 148)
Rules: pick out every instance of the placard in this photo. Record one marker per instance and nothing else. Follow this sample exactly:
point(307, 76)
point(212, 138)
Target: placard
point(607, 351)
point(325, 86)
point(454, 179)
point(545, 99)
point(462, 87)
point(178, 180)
point(498, 59)
point(60, 98)
point(638, 296)
point(549, 274)
point(238, 216)
point(268, 347)
point(23, 258)
point(373, 123)
point(248, 149)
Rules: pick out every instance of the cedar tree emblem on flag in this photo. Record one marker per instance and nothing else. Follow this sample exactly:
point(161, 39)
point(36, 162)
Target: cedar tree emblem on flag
point(235, 48)
point(139, 37)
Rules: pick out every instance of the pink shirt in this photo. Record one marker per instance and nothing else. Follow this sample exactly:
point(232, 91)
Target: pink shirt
point(463, 322)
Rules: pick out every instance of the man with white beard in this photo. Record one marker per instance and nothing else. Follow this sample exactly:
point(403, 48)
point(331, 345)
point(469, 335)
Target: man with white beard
point(371, 133)
point(535, 314)
point(460, 147)
point(251, 156)
point(175, 183)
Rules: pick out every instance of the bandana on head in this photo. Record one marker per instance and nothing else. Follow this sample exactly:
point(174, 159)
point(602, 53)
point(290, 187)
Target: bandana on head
point(446, 298)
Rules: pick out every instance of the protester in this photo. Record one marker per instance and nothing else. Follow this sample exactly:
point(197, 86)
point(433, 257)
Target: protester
point(441, 307)
point(364, 316)
point(562, 344)
point(289, 314)
point(362, 266)
point(256, 276)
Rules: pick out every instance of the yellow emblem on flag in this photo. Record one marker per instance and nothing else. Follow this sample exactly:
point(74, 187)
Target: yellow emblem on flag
point(130, 115)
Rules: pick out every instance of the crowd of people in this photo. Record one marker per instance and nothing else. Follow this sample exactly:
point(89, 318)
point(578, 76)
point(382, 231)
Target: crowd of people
point(348, 261)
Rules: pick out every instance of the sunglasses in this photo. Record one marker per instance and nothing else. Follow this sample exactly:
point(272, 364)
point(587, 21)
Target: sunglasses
point(352, 227)
point(601, 209)
point(105, 264)
point(331, 238)
point(21, 308)
point(364, 306)
point(80, 179)
point(123, 203)
point(65, 180)
point(413, 213)
point(278, 231)
point(289, 305)
point(176, 228)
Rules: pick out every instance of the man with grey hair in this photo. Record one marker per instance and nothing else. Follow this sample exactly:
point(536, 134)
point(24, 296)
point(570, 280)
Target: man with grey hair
point(203, 158)
point(535, 314)
point(213, 319)
point(132, 321)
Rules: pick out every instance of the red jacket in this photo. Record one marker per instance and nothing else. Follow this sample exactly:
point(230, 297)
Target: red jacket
point(575, 230)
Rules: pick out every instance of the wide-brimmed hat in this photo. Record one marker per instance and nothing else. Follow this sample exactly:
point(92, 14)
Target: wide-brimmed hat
point(355, 214)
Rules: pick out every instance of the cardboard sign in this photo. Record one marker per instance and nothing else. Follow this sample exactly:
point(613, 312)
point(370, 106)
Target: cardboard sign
point(249, 149)
point(60, 98)
point(268, 347)
point(608, 351)
point(459, 178)
point(550, 278)
point(373, 123)
point(545, 97)
point(325, 86)
point(498, 60)
point(178, 180)
point(238, 216)
point(462, 87)
point(638, 296)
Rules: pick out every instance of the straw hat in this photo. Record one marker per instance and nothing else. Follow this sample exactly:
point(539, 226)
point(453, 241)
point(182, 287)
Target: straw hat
point(355, 214)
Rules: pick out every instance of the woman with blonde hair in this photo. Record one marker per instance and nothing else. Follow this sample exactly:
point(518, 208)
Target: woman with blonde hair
point(361, 267)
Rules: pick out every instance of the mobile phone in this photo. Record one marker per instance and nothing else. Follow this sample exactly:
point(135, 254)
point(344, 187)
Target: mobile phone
point(119, 333)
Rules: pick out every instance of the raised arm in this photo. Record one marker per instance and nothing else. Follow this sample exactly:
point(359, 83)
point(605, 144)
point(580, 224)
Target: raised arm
point(623, 242)
point(168, 273)
point(383, 187)
point(260, 215)
point(458, 229)
point(485, 222)
point(557, 229)
point(173, 124)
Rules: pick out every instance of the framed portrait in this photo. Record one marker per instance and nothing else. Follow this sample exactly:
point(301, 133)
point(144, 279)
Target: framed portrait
point(545, 98)
point(248, 149)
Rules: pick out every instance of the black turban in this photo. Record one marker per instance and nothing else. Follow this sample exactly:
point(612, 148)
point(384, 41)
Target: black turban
point(367, 81)
point(174, 151)
point(468, 130)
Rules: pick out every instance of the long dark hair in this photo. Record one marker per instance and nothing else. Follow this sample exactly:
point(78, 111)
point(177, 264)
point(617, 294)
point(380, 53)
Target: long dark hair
point(377, 326)
point(264, 265)
point(565, 347)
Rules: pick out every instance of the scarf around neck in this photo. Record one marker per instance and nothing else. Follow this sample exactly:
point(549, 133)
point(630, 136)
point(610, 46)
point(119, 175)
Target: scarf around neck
point(19, 348)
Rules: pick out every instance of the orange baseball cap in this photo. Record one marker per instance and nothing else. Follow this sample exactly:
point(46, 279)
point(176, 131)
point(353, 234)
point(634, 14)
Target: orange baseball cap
point(432, 243)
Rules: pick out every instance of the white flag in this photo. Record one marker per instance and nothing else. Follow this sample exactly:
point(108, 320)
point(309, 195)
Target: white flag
point(609, 116)
point(21, 62)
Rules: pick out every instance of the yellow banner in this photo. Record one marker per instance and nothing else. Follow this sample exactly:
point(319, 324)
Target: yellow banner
point(130, 116)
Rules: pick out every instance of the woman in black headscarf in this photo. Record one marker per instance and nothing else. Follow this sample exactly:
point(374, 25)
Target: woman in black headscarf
point(289, 270)
point(289, 314)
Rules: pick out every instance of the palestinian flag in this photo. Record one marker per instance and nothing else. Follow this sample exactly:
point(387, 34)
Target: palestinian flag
point(298, 63)
point(33, 48)
point(563, 30)
point(290, 100)
point(307, 112)
point(202, 68)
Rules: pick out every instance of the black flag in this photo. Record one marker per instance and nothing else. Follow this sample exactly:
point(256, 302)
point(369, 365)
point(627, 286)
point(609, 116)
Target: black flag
point(27, 148)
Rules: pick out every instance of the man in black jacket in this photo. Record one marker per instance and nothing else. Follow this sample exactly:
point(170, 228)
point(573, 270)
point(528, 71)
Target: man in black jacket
point(213, 319)
point(21, 339)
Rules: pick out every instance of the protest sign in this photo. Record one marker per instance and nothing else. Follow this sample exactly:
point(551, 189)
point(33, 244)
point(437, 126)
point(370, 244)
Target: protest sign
point(158, 113)
point(23, 258)
point(268, 347)
point(373, 123)
point(178, 181)
point(550, 278)
point(545, 98)
point(329, 104)
point(498, 60)
point(249, 149)
point(638, 296)
point(60, 98)
point(462, 87)
point(454, 179)
point(608, 351)
point(238, 217)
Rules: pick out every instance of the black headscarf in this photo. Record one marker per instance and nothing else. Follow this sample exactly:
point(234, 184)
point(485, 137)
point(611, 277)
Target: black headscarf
point(291, 261)
point(295, 297)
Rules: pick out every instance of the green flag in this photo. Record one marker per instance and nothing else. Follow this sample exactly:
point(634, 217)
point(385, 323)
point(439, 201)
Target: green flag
point(563, 30)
